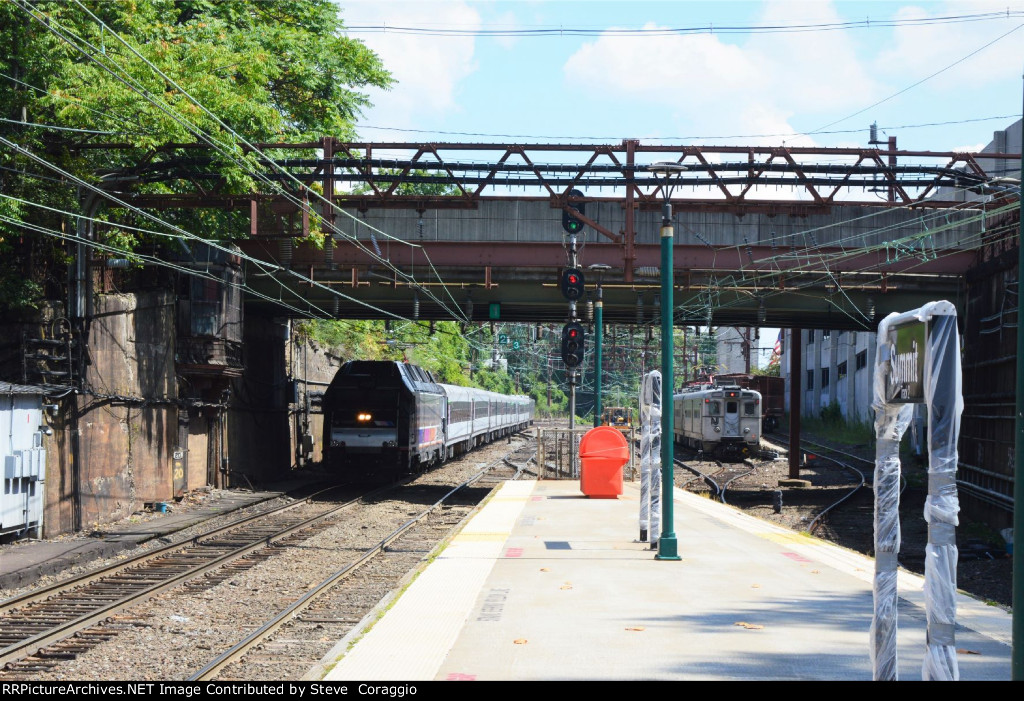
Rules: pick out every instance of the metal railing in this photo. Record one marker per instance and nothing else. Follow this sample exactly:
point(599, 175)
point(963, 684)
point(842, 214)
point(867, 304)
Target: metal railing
point(558, 453)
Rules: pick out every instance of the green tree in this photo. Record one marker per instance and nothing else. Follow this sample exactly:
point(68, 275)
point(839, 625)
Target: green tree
point(155, 78)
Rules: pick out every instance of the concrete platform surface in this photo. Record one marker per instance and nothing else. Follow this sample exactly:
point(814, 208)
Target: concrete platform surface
point(546, 584)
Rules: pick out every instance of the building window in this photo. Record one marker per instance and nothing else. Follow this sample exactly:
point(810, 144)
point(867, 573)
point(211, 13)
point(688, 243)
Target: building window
point(841, 370)
point(810, 337)
point(824, 378)
point(810, 380)
point(862, 360)
point(827, 333)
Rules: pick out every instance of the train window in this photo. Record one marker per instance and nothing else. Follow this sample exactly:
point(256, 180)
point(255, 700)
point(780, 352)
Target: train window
point(714, 408)
point(750, 408)
point(732, 407)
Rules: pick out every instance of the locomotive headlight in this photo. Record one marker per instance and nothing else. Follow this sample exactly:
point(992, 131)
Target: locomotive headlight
point(363, 417)
point(718, 429)
point(746, 430)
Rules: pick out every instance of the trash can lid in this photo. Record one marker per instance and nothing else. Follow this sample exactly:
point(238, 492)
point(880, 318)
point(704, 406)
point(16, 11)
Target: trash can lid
point(603, 440)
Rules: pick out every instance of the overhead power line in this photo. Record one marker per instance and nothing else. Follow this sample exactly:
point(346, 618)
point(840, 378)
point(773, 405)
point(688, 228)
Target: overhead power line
point(558, 31)
point(690, 137)
point(131, 82)
point(914, 85)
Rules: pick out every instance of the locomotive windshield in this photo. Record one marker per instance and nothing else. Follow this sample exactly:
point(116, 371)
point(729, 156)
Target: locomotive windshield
point(731, 407)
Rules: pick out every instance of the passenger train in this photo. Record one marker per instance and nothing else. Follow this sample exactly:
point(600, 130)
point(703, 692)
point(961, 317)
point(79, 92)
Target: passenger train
point(724, 421)
point(383, 419)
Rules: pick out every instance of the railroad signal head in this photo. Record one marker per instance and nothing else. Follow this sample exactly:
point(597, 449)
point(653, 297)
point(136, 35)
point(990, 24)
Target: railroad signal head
point(570, 223)
point(572, 344)
point(572, 283)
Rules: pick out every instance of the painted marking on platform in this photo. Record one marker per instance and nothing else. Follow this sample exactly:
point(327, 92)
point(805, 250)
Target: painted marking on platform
point(796, 556)
point(514, 552)
point(460, 677)
point(786, 538)
point(537, 498)
point(493, 606)
point(557, 545)
point(528, 521)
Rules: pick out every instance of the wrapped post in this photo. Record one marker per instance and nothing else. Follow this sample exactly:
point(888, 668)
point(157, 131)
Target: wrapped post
point(941, 507)
point(891, 422)
point(918, 362)
point(650, 458)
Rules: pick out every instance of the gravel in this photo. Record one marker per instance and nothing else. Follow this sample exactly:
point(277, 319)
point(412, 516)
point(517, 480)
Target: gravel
point(984, 570)
point(174, 635)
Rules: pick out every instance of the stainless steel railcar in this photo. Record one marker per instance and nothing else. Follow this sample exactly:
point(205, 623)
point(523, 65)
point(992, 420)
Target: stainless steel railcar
point(385, 418)
point(722, 421)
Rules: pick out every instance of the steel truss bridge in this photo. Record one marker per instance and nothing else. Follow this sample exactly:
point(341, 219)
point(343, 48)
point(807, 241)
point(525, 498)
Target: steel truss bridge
point(774, 236)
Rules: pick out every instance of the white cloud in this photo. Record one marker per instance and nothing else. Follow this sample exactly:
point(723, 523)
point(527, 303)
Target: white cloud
point(506, 21)
point(970, 148)
point(918, 51)
point(723, 88)
point(427, 70)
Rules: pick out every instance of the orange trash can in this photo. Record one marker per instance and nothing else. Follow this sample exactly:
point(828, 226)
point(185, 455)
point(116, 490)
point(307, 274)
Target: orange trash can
point(603, 452)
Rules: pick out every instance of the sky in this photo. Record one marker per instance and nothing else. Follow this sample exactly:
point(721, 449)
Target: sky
point(582, 81)
point(546, 71)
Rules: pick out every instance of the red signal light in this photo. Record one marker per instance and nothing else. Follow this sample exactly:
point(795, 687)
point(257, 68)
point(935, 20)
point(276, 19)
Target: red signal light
point(571, 283)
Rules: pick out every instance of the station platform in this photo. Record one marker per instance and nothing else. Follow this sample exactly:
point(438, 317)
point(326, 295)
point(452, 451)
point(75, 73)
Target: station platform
point(544, 583)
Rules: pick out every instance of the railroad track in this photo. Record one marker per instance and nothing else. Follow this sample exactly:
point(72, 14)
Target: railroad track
point(856, 496)
point(288, 643)
point(36, 629)
point(718, 480)
point(56, 626)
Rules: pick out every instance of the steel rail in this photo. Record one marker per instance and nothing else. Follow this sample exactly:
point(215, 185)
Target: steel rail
point(62, 630)
point(734, 478)
point(708, 479)
point(816, 521)
point(66, 585)
point(239, 650)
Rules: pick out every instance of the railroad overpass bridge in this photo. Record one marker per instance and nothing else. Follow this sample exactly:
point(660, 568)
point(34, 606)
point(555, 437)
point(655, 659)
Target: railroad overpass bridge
point(783, 237)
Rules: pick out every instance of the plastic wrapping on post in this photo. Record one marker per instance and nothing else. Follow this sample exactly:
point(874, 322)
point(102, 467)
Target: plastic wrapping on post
point(645, 459)
point(890, 424)
point(943, 397)
point(945, 404)
point(891, 421)
point(650, 456)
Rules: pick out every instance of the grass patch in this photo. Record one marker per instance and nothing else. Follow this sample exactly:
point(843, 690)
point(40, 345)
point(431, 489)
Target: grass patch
point(840, 430)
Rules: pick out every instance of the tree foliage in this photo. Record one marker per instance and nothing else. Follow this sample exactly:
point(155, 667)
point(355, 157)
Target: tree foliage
point(125, 90)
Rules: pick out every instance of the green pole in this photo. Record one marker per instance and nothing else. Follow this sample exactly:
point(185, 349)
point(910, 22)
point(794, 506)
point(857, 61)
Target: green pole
point(598, 339)
point(1017, 650)
point(667, 545)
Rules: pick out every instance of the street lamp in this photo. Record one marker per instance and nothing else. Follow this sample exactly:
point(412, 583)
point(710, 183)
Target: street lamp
point(667, 173)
